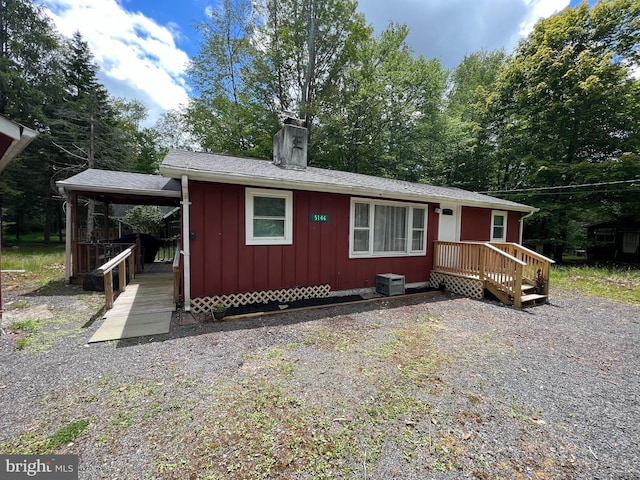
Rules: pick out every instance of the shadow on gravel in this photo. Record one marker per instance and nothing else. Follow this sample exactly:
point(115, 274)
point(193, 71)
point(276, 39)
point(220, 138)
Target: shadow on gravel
point(58, 288)
point(278, 319)
point(96, 316)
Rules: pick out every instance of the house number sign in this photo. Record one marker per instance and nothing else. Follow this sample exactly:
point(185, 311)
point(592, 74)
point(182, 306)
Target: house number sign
point(319, 217)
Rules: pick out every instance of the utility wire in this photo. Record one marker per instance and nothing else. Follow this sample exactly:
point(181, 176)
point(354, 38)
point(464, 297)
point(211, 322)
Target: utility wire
point(559, 187)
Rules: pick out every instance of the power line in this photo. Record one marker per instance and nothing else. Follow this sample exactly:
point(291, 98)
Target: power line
point(588, 192)
point(533, 189)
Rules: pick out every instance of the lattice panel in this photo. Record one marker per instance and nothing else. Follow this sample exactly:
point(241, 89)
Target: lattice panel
point(467, 287)
point(203, 304)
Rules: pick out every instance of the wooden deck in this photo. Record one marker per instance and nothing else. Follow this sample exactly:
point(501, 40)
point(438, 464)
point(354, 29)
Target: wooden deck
point(144, 308)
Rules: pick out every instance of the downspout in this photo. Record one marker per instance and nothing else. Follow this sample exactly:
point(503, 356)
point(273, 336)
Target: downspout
point(522, 224)
point(186, 247)
point(67, 226)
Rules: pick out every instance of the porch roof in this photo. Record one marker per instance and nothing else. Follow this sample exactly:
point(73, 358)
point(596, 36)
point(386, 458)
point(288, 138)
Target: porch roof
point(262, 173)
point(123, 187)
point(13, 139)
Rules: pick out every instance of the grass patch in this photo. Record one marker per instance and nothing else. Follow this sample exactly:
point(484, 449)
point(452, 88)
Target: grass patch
point(26, 325)
point(35, 259)
point(617, 284)
point(36, 444)
point(67, 434)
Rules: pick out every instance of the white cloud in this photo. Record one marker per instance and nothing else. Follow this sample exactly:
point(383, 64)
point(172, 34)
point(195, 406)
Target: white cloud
point(450, 29)
point(540, 9)
point(137, 57)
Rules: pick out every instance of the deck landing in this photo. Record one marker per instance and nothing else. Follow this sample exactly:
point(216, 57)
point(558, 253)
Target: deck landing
point(144, 308)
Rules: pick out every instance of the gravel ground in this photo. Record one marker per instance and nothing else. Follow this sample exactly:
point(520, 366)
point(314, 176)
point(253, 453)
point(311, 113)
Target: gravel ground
point(437, 387)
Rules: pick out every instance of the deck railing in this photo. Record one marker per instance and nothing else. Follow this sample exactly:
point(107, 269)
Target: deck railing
point(124, 273)
point(505, 266)
point(537, 266)
point(90, 255)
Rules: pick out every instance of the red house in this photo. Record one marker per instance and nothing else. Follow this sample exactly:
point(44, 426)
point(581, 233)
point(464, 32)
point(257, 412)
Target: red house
point(256, 231)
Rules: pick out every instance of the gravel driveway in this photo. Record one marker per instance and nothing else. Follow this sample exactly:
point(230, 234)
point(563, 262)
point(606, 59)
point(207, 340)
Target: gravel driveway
point(438, 387)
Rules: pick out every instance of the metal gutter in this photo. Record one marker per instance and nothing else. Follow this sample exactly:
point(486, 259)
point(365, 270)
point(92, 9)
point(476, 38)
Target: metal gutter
point(186, 246)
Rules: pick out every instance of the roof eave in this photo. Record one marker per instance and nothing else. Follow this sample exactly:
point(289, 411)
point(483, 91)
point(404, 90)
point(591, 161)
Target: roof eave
point(22, 136)
point(70, 187)
point(252, 181)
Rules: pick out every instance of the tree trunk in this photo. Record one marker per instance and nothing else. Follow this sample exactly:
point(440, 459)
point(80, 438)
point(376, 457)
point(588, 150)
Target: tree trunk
point(91, 213)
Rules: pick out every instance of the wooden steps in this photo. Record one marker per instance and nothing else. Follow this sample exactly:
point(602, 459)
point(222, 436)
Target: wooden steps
point(533, 299)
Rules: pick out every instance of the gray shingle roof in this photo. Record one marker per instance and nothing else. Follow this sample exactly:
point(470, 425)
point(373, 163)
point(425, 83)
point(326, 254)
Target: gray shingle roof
point(107, 181)
point(253, 172)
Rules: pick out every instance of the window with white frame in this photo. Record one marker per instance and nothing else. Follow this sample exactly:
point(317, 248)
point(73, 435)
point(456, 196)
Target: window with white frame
point(381, 229)
point(498, 226)
point(269, 217)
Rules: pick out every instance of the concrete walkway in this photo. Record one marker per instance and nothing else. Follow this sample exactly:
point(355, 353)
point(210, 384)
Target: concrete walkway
point(144, 308)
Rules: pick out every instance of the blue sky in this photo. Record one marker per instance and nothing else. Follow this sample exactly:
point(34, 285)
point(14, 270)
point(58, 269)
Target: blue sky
point(143, 46)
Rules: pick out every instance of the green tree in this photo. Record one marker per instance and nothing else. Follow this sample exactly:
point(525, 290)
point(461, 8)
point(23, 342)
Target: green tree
point(306, 48)
point(30, 84)
point(145, 219)
point(224, 116)
point(467, 154)
point(139, 144)
point(86, 128)
point(384, 119)
point(565, 110)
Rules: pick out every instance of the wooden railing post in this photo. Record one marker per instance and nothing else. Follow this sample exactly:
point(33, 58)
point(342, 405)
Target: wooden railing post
point(138, 254)
point(483, 262)
point(122, 275)
point(546, 271)
point(106, 270)
point(131, 270)
point(108, 289)
point(517, 288)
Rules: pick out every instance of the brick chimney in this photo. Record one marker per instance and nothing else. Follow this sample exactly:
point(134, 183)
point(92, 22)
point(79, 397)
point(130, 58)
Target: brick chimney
point(290, 145)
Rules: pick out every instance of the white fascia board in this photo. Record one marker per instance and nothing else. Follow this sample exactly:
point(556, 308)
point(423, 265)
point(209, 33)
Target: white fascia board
point(9, 128)
point(251, 181)
point(22, 137)
point(69, 187)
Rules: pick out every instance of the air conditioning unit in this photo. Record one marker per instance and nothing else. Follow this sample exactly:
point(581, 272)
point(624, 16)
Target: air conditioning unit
point(390, 284)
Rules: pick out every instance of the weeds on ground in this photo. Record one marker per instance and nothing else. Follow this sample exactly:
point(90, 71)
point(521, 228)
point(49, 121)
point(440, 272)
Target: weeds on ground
point(39, 334)
point(38, 444)
point(618, 284)
point(42, 262)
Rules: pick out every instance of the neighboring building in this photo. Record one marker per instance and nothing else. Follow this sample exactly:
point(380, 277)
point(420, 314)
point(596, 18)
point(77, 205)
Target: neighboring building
point(614, 241)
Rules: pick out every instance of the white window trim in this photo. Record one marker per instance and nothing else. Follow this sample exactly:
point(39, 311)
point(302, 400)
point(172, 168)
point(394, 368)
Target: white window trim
point(494, 214)
point(250, 193)
point(372, 204)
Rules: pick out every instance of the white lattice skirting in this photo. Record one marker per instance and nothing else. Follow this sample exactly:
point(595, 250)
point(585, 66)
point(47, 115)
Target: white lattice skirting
point(468, 287)
point(203, 304)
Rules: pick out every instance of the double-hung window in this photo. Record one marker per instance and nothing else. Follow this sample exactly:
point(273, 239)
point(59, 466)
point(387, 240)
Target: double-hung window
point(498, 226)
point(382, 229)
point(269, 217)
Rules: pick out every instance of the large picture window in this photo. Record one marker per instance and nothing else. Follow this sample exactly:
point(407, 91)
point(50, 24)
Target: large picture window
point(269, 217)
point(380, 229)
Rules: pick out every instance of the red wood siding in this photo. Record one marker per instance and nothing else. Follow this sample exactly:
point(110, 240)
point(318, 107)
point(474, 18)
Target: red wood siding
point(221, 263)
point(476, 225)
point(513, 227)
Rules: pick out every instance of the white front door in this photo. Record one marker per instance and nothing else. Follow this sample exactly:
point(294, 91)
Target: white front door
point(449, 223)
